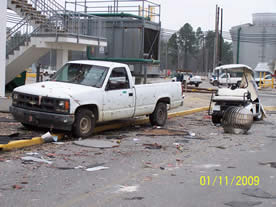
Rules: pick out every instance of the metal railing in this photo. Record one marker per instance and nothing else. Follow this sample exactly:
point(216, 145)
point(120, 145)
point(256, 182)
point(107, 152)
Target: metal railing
point(48, 18)
point(141, 8)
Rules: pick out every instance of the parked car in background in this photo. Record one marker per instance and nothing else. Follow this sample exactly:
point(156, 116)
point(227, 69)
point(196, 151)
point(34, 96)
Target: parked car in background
point(225, 77)
point(48, 72)
point(194, 80)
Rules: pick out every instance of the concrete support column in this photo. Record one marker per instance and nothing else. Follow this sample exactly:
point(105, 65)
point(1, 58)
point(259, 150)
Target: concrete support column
point(3, 21)
point(62, 58)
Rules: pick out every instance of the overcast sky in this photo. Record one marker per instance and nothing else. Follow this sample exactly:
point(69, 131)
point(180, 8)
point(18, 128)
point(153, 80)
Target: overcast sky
point(175, 13)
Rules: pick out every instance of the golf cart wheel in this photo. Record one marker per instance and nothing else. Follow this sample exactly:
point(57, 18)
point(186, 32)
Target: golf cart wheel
point(159, 115)
point(216, 118)
point(260, 117)
point(216, 83)
point(84, 123)
point(197, 84)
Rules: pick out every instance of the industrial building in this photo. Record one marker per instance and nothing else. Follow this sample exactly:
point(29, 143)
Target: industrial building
point(110, 30)
point(255, 42)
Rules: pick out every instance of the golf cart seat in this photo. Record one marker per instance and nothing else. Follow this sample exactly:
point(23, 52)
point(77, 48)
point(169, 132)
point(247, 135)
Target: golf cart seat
point(227, 94)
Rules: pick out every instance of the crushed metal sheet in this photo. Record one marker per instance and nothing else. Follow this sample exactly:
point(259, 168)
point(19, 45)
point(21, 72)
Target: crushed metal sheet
point(96, 143)
point(207, 166)
point(48, 137)
point(257, 193)
point(35, 159)
point(243, 203)
point(128, 189)
point(96, 168)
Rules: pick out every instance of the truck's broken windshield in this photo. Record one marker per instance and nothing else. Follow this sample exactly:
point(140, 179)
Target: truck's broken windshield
point(90, 75)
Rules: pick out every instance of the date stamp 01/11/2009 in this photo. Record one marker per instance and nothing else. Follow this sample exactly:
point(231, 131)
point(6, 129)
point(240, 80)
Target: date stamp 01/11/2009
point(230, 181)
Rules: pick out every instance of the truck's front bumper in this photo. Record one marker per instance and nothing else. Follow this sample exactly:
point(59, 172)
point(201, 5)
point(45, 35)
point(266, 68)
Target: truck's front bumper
point(43, 119)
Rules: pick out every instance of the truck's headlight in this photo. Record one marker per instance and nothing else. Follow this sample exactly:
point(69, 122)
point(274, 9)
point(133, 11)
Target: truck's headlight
point(63, 106)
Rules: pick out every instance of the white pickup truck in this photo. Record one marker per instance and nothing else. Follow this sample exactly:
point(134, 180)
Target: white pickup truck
point(84, 92)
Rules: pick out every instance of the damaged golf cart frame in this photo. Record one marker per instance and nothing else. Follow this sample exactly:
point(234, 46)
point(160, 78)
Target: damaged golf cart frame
point(242, 94)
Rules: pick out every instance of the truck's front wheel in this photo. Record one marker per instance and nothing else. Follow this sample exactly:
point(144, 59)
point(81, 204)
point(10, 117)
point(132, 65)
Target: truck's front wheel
point(84, 124)
point(160, 114)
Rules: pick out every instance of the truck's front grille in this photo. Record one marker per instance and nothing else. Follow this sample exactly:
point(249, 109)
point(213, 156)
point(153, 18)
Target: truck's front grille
point(35, 103)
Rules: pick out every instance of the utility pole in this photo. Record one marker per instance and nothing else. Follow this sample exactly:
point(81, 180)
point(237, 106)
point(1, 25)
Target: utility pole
point(215, 41)
point(221, 39)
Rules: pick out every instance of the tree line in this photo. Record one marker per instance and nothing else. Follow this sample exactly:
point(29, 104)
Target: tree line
point(191, 50)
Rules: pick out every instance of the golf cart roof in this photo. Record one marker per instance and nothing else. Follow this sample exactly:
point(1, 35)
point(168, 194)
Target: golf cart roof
point(234, 67)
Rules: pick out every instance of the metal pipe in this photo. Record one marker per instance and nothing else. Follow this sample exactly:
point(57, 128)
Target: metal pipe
point(238, 46)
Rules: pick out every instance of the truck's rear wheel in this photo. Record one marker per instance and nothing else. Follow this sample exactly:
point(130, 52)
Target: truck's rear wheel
point(84, 124)
point(160, 115)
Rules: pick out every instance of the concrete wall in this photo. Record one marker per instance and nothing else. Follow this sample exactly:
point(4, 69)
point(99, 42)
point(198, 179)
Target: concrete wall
point(3, 20)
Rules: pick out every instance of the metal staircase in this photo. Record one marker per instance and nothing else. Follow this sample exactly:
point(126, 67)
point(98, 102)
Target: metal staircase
point(45, 25)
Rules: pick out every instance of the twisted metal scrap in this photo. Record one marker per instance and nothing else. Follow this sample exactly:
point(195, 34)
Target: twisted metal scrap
point(237, 120)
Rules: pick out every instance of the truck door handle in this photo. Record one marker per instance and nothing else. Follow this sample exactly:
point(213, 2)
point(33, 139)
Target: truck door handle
point(130, 94)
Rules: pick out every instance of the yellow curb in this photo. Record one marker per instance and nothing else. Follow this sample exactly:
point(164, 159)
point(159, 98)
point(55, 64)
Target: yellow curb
point(270, 108)
point(25, 143)
point(38, 140)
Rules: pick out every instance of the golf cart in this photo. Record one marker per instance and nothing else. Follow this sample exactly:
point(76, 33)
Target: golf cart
point(243, 94)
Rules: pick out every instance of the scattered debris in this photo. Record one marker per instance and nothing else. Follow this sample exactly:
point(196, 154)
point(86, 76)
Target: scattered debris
point(32, 153)
point(48, 137)
point(35, 159)
point(272, 137)
point(24, 182)
point(162, 168)
point(152, 146)
point(173, 174)
point(116, 137)
point(128, 189)
point(257, 193)
point(231, 167)
point(135, 139)
point(271, 164)
point(207, 166)
point(134, 198)
point(219, 147)
point(182, 141)
point(163, 132)
point(96, 168)
point(96, 143)
point(243, 203)
point(17, 187)
point(59, 143)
